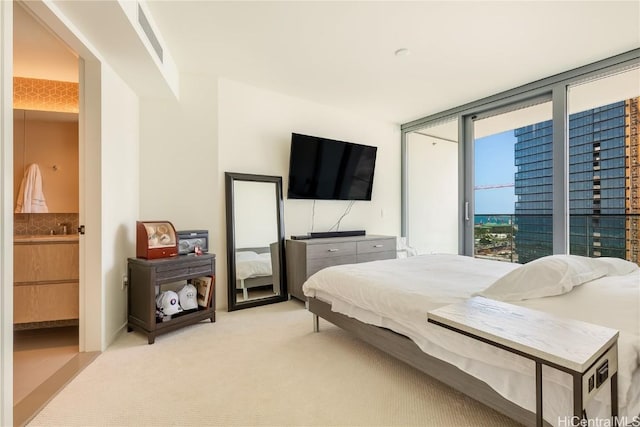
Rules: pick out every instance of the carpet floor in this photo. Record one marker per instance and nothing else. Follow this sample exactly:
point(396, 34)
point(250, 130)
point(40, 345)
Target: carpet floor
point(262, 366)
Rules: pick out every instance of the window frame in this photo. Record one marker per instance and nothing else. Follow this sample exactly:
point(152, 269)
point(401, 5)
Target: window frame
point(554, 88)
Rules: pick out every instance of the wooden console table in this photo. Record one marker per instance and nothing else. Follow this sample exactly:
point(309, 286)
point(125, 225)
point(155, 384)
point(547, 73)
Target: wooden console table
point(589, 353)
point(147, 275)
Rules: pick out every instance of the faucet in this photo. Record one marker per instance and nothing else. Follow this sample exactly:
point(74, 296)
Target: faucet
point(64, 227)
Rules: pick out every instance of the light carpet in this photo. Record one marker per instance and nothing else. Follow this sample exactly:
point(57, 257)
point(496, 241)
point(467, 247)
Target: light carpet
point(262, 366)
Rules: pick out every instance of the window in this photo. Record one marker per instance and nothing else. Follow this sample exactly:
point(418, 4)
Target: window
point(512, 184)
point(575, 171)
point(603, 220)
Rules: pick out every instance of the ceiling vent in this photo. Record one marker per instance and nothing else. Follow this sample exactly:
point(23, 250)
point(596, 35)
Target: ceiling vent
point(146, 27)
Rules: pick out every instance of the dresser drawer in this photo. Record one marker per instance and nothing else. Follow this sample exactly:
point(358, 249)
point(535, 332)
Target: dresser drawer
point(204, 269)
point(307, 257)
point(315, 265)
point(375, 256)
point(45, 262)
point(378, 245)
point(176, 270)
point(45, 302)
point(327, 250)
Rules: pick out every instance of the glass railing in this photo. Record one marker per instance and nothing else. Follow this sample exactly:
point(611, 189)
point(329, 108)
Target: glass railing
point(494, 237)
point(605, 235)
point(523, 238)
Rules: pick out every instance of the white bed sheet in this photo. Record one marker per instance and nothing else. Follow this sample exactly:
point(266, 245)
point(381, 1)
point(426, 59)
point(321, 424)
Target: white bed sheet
point(397, 294)
point(251, 264)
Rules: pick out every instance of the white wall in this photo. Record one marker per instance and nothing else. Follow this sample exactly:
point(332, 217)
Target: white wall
point(120, 194)
point(254, 136)
point(179, 161)
point(178, 156)
point(432, 194)
point(187, 145)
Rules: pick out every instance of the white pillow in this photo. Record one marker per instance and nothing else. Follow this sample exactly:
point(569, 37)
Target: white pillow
point(547, 276)
point(618, 266)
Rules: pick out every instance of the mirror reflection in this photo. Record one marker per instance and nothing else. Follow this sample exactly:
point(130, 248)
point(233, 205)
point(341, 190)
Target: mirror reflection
point(255, 240)
point(46, 142)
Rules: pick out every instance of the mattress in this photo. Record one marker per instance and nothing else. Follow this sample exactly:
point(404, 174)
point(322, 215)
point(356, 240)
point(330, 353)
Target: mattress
point(251, 264)
point(397, 294)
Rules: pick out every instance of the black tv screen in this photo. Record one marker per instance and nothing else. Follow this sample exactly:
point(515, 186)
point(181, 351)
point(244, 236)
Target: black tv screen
point(326, 169)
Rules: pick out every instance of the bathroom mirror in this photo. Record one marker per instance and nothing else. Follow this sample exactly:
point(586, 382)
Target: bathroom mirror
point(49, 140)
point(255, 240)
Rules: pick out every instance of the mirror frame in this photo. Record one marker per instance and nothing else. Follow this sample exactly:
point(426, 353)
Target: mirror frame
point(230, 178)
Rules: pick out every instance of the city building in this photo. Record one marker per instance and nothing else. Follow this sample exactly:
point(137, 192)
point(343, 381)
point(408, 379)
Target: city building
point(604, 182)
point(534, 191)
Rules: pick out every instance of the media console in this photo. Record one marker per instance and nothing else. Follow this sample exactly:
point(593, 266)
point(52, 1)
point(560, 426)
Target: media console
point(326, 234)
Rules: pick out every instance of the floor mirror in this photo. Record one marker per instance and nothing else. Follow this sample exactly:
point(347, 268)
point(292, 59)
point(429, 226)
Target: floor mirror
point(255, 240)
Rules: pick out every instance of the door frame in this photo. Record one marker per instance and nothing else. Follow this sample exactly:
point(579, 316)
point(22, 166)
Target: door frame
point(91, 334)
point(91, 312)
point(6, 204)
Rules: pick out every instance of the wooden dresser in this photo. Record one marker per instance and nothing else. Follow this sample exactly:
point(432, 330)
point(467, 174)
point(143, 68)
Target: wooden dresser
point(305, 257)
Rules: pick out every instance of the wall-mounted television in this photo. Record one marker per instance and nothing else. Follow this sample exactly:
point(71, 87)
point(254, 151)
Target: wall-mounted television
point(326, 169)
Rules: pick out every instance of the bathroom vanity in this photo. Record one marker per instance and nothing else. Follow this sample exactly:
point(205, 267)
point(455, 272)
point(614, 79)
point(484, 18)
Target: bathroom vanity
point(45, 279)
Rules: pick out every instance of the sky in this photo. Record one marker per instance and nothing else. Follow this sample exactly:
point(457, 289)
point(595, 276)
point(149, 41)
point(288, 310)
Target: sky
point(494, 164)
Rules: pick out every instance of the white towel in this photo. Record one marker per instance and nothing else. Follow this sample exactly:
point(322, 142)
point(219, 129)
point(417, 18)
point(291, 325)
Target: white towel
point(30, 197)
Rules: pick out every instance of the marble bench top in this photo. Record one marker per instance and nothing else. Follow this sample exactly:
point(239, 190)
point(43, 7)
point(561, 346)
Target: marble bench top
point(570, 343)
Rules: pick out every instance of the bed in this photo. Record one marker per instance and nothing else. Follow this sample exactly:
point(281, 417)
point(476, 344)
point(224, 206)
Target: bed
point(386, 303)
point(255, 268)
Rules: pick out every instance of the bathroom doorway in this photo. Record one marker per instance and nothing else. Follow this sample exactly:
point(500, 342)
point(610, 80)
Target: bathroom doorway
point(46, 194)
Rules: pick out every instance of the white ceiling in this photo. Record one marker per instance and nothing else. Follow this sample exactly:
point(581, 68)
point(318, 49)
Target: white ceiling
point(342, 53)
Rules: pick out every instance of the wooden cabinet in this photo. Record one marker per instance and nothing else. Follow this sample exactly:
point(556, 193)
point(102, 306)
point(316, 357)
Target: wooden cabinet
point(147, 276)
point(305, 257)
point(45, 274)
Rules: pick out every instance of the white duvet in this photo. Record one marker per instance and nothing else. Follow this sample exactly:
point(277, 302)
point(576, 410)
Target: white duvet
point(397, 294)
point(251, 264)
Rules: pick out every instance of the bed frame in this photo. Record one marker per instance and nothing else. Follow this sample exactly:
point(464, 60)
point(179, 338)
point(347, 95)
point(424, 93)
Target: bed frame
point(404, 349)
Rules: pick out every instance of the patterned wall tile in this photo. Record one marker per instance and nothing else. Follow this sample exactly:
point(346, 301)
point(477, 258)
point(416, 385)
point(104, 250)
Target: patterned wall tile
point(43, 223)
point(45, 95)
